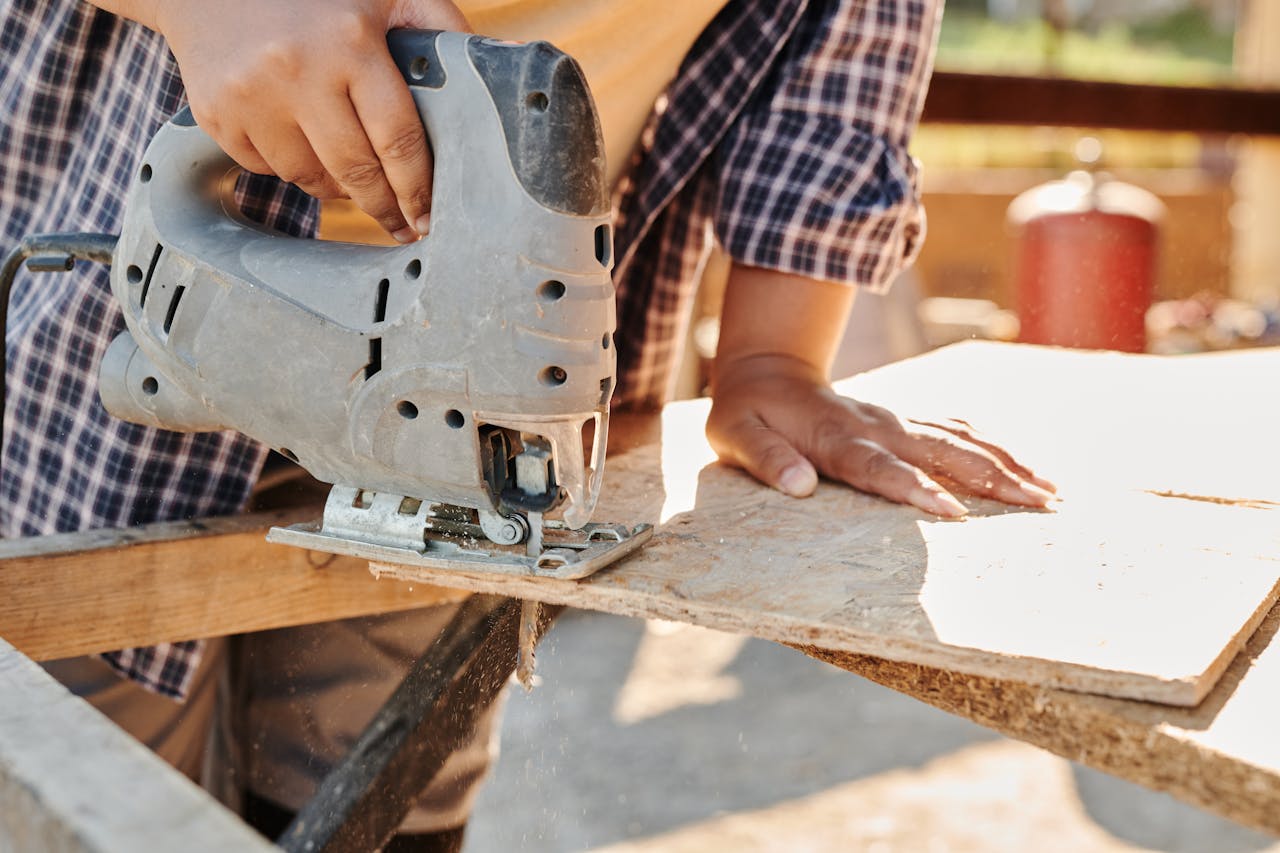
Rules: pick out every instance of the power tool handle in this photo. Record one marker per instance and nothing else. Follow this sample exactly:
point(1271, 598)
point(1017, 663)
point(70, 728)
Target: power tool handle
point(541, 97)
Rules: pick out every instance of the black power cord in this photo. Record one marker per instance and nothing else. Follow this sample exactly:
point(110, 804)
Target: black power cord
point(44, 253)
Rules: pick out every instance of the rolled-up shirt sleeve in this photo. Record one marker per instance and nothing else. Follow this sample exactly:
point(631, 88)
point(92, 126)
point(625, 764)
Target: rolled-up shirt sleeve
point(814, 177)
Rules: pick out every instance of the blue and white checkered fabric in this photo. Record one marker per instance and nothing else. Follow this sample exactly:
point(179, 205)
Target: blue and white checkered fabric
point(785, 135)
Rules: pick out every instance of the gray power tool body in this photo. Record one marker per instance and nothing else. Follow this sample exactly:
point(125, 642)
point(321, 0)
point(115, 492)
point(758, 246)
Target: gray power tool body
point(442, 387)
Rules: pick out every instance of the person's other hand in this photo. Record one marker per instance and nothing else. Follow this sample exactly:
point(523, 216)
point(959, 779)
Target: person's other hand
point(775, 414)
point(307, 90)
point(779, 419)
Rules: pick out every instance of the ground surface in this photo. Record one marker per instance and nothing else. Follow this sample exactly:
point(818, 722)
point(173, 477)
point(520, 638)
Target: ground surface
point(662, 737)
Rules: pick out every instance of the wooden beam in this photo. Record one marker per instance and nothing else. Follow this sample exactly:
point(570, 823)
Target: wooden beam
point(956, 98)
point(71, 780)
point(79, 593)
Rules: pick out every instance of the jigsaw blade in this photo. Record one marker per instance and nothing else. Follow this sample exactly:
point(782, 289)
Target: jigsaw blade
point(527, 643)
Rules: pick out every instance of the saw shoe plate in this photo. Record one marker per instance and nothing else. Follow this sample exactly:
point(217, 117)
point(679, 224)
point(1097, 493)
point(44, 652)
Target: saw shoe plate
point(567, 554)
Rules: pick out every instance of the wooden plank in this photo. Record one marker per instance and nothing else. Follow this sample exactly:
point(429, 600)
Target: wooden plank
point(71, 780)
point(1144, 583)
point(79, 593)
point(1058, 101)
point(1221, 755)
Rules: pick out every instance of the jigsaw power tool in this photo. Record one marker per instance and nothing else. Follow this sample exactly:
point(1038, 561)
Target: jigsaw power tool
point(442, 387)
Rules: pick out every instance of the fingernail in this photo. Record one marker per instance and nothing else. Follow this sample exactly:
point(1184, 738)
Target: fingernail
point(798, 480)
point(1038, 494)
point(1021, 493)
point(405, 235)
point(945, 504)
point(423, 224)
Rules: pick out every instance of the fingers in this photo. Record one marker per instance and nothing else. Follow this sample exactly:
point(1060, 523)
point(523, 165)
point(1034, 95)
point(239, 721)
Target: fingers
point(962, 429)
point(243, 152)
point(330, 153)
point(430, 15)
point(368, 144)
point(389, 115)
point(348, 157)
point(853, 442)
point(382, 164)
point(866, 465)
point(288, 155)
point(767, 456)
point(862, 447)
point(974, 468)
point(786, 427)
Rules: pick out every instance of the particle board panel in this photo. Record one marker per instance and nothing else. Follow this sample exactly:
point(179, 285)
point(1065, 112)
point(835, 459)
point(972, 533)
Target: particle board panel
point(1143, 582)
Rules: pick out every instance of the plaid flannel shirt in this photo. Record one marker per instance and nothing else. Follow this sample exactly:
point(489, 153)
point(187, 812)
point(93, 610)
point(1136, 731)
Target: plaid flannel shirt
point(784, 137)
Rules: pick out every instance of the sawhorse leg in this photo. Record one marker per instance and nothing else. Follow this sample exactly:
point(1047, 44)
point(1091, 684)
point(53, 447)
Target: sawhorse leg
point(360, 804)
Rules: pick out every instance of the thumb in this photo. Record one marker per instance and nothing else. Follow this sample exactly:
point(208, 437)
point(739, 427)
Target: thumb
point(428, 15)
point(768, 457)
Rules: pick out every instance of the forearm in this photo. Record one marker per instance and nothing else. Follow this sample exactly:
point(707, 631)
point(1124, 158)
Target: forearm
point(770, 313)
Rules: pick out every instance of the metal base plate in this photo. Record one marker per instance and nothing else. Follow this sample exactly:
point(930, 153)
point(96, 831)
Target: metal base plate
point(567, 554)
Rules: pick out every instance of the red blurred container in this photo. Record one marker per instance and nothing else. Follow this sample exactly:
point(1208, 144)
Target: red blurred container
point(1086, 260)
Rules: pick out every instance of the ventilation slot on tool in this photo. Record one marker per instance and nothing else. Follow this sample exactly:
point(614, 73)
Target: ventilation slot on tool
point(379, 315)
point(604, 245)
point(173, 308)
point(380, 304)
point(151, 270)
